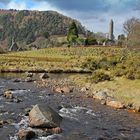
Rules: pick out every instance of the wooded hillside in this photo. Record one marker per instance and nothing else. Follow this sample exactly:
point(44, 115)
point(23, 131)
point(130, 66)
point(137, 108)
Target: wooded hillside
point(25, 27)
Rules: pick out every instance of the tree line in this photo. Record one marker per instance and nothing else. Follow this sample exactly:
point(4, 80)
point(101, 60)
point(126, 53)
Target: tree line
point(131, 39)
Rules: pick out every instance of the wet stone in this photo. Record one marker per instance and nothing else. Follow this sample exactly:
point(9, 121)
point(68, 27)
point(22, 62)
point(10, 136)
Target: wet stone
point(8, 94)
point(29, 74)
point(43, 116)
point(103, 102)
point(29, 79)
point(115, 104)
point(63, 90)
point(56, 130)
point(3, 122)
point(17, 80)
point(26, 134)
point(17, 100)
point(44, 76)
point(27, 110)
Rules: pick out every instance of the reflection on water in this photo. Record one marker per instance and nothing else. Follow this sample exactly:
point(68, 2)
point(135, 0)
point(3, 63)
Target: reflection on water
point(11, 75)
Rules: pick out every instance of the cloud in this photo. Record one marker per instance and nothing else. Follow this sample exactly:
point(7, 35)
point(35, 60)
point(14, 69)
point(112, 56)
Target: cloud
point(96, 14)
point(81, 5)
point(43, 6)
point(95, 5)
point(16, 5)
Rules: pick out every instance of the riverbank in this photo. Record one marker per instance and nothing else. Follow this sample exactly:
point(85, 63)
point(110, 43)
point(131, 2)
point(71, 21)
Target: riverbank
point(123, 90)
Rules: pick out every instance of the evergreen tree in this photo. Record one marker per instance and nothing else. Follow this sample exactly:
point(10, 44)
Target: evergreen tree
point(72, 33)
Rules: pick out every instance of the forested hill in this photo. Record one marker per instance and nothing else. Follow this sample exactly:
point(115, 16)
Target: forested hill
point(26, 26)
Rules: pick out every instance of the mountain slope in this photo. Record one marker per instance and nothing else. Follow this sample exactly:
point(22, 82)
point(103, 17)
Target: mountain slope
point(25, 27)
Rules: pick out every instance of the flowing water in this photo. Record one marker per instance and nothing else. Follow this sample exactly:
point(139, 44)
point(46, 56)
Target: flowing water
point(83, 118)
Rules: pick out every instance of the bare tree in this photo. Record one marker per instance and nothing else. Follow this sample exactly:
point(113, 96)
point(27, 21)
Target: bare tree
point(132, 30)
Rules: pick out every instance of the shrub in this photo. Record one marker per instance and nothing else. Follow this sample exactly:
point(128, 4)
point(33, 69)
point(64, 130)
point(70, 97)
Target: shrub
point(90, 64)
point(133, 74)
point(103, 63)
point(91, 41)
point(118, 72)
point(100, 76)
point(137, 74)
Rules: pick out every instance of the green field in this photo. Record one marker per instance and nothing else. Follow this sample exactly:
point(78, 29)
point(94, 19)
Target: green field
point(61, 58)
point(115, 69)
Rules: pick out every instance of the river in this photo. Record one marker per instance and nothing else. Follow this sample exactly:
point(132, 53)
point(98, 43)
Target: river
point(83, 118)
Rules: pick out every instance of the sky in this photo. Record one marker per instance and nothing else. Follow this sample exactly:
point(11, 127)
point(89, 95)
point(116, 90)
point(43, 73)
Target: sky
point(95, 15)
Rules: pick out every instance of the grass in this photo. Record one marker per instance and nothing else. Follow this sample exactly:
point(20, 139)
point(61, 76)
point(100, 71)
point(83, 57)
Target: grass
point(51, 58)
point(119, 63)
point(55, 58)
point(124, 90)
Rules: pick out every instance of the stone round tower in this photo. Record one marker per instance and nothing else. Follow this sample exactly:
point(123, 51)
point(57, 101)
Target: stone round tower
point(111, 30)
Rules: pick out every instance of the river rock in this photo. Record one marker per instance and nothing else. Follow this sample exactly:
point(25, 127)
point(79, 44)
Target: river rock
point(25, 134)
point(130, 106)
point(8, 94)
point(29, 74)
point(100, 95)
point(2, 122)
point(17, 80)
point(109, 98)
point(58, 89)
point(137, 108)
point(43, 116)
point(64, 90)
point(56, 130)
point(17, 100)
point(115, 104)
point(84, 89)
point(44, 76)
point(29, 79)
point(103, 102)
point(27, 110)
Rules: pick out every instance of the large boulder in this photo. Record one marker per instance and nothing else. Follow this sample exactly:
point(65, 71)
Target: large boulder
point(43, 116)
